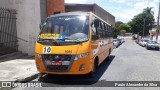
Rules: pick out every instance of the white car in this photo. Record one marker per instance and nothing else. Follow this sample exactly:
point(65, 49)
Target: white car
point(143, 42)
point(116, 43)
point(140, 42)
point(152, 45)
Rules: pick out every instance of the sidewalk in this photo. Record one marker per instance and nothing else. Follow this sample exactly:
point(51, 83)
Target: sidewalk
point(18, 70)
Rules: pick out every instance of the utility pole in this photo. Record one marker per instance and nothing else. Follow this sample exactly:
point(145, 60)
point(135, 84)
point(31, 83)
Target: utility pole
point(143, 27)
point(158, 21)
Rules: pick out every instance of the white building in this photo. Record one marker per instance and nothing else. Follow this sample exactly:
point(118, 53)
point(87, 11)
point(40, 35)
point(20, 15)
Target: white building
point(28, 16)
point(153, 33)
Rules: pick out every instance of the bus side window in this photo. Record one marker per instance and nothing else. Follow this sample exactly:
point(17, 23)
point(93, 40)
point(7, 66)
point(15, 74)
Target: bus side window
point(94, 30)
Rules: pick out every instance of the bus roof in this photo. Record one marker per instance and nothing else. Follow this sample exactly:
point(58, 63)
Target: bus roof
point(76, 13)
point(70, 13)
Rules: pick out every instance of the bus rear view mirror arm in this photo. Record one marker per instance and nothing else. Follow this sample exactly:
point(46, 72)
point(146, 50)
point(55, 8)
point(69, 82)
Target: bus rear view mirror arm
point(96, 23)
point(40, 25)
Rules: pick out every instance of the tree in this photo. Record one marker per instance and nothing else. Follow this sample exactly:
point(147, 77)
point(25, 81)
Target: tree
point(133, 28)
point(125, 26)
point(148, 10)
point(120, 27)
point(123, 32)
point(116, 30)
point(118, 23)
point(142, 22)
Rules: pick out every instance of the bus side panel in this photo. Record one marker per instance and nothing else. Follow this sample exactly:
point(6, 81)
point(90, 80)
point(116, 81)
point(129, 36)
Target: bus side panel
point(103, 51)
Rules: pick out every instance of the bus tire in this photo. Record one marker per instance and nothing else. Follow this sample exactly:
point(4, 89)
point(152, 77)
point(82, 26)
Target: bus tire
point(92, 73)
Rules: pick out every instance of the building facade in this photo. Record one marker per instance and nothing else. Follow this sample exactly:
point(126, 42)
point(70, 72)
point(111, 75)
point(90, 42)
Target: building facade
point(55, 6)
point(28, 18)
point(153, 33)
point(106, 16)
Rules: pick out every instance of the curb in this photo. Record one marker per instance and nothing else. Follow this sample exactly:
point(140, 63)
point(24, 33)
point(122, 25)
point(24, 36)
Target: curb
point(27, 79)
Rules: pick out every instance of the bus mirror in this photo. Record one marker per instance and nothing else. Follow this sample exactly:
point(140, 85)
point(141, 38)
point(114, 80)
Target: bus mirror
point(40, 25)
point(96, 23)
point(94, 46)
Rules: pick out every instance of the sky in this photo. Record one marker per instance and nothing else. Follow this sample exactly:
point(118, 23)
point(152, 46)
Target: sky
point(123, 10)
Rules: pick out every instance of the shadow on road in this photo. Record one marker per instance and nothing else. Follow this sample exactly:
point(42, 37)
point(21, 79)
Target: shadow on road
point(77, 79)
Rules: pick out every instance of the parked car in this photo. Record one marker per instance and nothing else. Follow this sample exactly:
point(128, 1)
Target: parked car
point(122, 40)
point(119, 40)
point(140, 42)
point(137, 41)
point(143, 42)
point(152, 45)
point(134, 37)
point(116, 42)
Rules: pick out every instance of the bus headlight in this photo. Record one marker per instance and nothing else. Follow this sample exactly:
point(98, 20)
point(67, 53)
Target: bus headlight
point(39, 56)
point(78, 56)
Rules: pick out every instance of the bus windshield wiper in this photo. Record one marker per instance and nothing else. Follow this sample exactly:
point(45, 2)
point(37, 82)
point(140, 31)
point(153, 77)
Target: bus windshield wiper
point(70, 40)
point(47, 40)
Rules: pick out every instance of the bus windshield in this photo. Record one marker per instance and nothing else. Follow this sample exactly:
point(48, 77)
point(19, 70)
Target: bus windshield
point(66, 28)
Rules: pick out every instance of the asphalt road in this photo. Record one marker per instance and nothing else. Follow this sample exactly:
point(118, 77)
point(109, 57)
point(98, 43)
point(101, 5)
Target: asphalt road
point(128, 62)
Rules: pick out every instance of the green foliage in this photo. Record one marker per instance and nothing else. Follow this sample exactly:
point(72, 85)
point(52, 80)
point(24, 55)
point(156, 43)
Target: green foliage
point(142, 21)
point(121, 26)
point(115, 33)
point(148, 10)
point(116, 30)
point(122, 31)
point(118, 23)
point(125, 27)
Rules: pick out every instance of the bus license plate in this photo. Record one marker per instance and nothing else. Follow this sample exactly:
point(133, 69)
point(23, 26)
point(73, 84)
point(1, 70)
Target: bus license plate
point(56, 63)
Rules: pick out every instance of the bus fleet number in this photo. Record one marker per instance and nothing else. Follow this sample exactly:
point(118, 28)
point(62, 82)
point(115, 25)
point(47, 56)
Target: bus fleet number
point(47, 50)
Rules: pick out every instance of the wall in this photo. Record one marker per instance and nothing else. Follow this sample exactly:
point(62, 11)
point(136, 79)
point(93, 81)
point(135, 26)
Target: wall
point(78, 7)
point(28, 19)
point(106, 16)
point(43, 9)
point(55, 6)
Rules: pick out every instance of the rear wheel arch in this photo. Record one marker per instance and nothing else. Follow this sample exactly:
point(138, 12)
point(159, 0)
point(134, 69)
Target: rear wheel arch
point(95, 66)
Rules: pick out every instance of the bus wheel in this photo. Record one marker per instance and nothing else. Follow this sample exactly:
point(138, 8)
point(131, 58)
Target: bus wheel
point(92, 73)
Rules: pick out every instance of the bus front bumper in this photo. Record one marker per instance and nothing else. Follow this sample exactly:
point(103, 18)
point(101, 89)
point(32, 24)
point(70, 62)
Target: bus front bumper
point(78, 67)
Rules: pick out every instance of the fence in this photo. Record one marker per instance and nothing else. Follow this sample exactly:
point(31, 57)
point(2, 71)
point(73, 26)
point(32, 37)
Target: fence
point(8, 29)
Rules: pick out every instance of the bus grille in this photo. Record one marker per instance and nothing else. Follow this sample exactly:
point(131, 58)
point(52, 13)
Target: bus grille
point(57, 68)
point(55, 57)
point(65, 59)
